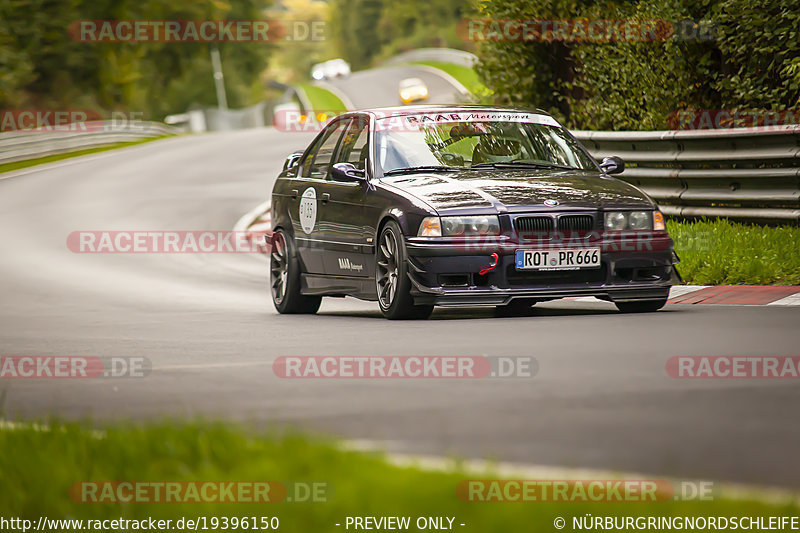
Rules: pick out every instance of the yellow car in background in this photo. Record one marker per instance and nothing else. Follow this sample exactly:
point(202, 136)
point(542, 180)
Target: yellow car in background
point(413, 90)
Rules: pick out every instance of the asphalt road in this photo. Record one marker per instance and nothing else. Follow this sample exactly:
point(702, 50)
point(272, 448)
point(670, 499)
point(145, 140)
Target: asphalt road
point(379, 87)
point(601, 399)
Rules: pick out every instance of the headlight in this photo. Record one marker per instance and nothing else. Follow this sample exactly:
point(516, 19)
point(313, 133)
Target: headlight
point(459, 226)
point(480, 225)
point(639, 220)
point(616, 221)
point(633, 220)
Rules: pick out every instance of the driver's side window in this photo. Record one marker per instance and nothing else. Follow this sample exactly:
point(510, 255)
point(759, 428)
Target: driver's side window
point(319, 159)
point(355, 144)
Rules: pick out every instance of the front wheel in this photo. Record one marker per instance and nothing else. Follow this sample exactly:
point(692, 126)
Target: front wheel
point(645, 306)
point(391, 277)
point(284, 270)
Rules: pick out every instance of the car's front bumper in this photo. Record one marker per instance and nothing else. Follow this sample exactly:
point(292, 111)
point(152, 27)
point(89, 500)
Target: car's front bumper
point(448, 273)
point(416, 97)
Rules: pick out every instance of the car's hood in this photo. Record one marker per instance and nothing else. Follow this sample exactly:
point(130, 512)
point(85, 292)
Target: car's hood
point(518, 190)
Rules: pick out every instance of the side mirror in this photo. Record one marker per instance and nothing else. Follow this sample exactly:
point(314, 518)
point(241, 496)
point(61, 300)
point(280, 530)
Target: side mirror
point(348, 172)
point(292, 160)
point(612, 165)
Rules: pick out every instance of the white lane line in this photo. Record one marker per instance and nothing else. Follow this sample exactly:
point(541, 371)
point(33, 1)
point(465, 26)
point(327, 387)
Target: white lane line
point(680, 290)
point(213, 365)
point(793, 299)
point(11, 425)
point(675, 291)
point(251, 216)
point(505, 470)
point(248, 219)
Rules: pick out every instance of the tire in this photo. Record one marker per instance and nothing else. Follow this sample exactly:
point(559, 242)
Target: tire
point(645, 306)
point(515, 308)
point(284, 270)
point(391, 277)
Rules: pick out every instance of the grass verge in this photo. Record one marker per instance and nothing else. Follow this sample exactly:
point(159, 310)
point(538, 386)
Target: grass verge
point(720, 252)
point(322, 99)
point(465, 75)
point(40, 465)
point(16, 165)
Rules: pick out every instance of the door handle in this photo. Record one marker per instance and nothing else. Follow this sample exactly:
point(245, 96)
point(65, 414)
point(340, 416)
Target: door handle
point(294, 194)
point(325, 197)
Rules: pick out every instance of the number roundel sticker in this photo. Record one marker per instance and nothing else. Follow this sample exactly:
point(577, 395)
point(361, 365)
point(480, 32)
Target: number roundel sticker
point(308, 210)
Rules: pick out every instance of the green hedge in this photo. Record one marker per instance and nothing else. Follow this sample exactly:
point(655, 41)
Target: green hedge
point(751, 61)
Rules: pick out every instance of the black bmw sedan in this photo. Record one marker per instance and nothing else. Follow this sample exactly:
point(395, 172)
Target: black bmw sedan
point(461, 206)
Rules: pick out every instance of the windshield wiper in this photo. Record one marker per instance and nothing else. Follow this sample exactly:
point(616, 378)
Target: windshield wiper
point(424, 168)
point(527, 164)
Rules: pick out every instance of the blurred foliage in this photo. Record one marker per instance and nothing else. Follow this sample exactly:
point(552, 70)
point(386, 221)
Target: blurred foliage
point(292, 60)
point(751, 61)
point(42, 68)
point(367, 30)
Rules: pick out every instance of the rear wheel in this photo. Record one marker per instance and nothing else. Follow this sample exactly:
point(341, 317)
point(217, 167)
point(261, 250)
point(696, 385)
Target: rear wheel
point(285, 278)
point(391, 277)
point(645, 306)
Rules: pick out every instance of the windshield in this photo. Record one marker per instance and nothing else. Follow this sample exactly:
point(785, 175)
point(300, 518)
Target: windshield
point(463, 140)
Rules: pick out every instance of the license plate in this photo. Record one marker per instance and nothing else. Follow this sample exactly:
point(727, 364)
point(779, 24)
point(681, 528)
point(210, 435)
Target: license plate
point(568, 259)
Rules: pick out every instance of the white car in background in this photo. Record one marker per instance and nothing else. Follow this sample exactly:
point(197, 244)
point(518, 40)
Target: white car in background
point(328, 70)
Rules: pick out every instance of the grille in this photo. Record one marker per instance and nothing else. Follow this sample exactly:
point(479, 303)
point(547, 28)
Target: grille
point(534, 224)
point(576, 223)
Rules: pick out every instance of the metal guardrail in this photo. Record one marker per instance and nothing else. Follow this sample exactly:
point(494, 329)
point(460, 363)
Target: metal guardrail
point(445, 55)
point(743, 173)
point(30, 144)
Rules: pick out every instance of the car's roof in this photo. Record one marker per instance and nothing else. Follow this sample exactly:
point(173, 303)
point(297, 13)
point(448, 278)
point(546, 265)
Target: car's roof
point(381, 112)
